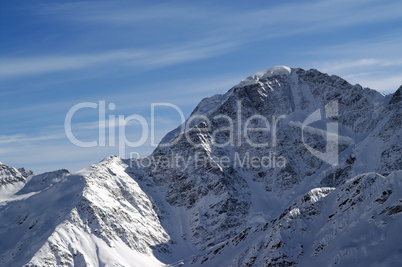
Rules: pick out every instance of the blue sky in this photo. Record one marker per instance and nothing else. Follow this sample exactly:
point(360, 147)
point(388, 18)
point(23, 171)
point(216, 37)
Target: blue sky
point(54, 55)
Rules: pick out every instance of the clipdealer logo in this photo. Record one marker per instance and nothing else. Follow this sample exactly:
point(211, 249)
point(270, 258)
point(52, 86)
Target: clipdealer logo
point(237, 130)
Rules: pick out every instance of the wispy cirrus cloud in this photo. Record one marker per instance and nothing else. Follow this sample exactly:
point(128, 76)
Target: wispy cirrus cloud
point(381, 74)
point(15, 67)
point(144, 59)
point(336, 66)
point(375, 62)
point(317, 15)
point(384, 82)
point(222, 32)
point(19, 138)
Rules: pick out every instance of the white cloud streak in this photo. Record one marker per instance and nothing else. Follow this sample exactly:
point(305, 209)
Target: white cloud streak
point(19, 138)
point(336, 66)
point(144, 59)
point(385, 83)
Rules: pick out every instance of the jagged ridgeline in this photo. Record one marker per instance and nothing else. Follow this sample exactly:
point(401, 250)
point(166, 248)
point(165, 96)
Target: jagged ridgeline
point(275, 195)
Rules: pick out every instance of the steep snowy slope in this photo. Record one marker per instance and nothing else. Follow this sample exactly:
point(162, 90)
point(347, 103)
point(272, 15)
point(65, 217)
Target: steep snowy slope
point(97, 216)
point(381, 150)
point(316, 184)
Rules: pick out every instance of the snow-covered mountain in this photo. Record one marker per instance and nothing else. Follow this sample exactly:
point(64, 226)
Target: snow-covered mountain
point(250, 180)
point(12, 180)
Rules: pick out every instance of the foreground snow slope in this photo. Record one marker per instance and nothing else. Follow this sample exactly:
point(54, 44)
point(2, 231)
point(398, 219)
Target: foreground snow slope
point(97, 216)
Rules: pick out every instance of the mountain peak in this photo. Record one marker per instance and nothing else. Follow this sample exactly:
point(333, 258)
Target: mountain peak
point(274, 71)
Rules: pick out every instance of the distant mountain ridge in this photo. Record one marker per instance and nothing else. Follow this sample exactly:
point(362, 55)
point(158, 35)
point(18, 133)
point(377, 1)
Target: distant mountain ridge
point(223, 199)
